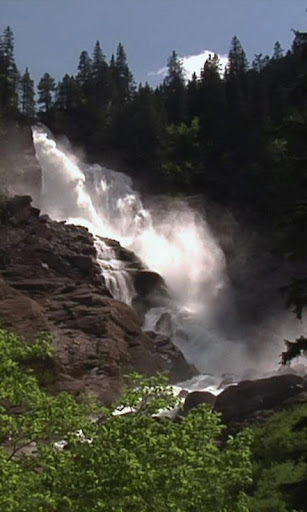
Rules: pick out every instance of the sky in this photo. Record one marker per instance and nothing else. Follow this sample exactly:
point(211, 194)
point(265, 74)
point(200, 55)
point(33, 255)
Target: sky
point(50, 34)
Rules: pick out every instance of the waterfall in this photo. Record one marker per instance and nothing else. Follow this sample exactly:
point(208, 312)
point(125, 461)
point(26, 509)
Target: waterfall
point(117, 278)
point(174, 241)
point(180, 247)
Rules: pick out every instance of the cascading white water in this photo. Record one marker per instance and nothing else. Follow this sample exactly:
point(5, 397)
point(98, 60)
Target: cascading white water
point(117, 279)
point(180, 247)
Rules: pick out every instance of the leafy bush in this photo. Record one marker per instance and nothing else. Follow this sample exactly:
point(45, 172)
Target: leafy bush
point(280, 468)
point(130, 462)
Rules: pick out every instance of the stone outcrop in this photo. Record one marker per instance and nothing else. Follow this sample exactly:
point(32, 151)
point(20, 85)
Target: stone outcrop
point(51, 282)
point(151, 291)
point(196, 398)
point(252, 400)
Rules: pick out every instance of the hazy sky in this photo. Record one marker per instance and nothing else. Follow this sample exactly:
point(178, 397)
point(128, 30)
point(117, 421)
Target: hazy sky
point(50, 34)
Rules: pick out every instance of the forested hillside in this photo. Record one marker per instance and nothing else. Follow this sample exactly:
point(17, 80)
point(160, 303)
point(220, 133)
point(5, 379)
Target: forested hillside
point(238, 136)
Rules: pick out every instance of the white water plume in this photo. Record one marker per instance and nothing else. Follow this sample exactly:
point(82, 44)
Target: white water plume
point(180, 247)
point(176, 243)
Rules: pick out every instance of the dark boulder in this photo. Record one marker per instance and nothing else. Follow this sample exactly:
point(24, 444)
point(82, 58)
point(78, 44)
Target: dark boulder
point(197, 398)
point(149, 283)
point(238, 402)
point(151, 291)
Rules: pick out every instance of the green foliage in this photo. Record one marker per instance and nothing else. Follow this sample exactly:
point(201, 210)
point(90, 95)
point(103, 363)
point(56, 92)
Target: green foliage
point(182, 154)
point(38, 417)
point(280, 467)
point(279, 149)
point(133, 461)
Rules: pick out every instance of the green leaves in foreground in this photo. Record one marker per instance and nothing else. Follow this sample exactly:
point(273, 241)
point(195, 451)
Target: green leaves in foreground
point(130, 462)
point(280, 466)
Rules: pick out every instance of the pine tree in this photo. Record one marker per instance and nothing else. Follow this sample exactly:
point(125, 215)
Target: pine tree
point(7, 44)
point(211, 71)
point(8, 74)
point(237, 60)
point(27, 95)
point(174, 87)
point(99, 66)
point(46, 87)
point(123, 76)
point(100, 77)
point(175, 71)
point(85, 69)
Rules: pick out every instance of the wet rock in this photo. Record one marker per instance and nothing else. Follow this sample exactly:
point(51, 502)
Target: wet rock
point(124, 255)
point(151, 291)
point(176, 364)
point(20, 313)
point(238, 402)
point(82, 262)
point(164, 324)
point(51, 282)
point(149, 283)
point(197, 398)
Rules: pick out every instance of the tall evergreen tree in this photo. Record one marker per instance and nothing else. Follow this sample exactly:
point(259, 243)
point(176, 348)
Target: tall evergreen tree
point(175, 71)
point(211, 72)
point(100, 77)
point(27, 95)
point(237, 60)
point(174, 87)
point(7, 46)
point(46, 88)
point(99, 65)
point(123, 76)
point(8, 74)
point(84, 69)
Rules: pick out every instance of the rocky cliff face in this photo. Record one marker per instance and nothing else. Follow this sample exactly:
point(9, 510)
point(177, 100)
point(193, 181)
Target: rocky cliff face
point(51, 282)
